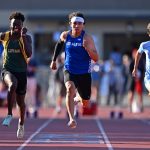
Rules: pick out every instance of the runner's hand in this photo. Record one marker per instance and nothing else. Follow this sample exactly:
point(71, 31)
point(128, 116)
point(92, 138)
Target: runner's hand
point(85, 44)
point(24, 31)
point(53, 65)
point(134, 73)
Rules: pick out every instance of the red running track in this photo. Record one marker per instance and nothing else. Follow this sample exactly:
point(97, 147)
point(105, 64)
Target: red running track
point(50, 132)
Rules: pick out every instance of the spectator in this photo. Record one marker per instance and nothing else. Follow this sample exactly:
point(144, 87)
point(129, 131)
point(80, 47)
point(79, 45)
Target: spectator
point(59, 78)
point(136, 83)
point(31, 98)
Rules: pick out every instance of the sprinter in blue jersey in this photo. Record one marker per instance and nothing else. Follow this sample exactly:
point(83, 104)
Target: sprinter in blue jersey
point(144, 47)
point(79, 51)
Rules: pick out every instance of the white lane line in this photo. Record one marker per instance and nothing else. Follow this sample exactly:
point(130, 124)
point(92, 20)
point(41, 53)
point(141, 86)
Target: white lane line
point(34, 134)
point(69, 138)
point(108, 144)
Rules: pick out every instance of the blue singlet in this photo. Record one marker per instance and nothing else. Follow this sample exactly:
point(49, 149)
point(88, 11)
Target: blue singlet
point(77, 60)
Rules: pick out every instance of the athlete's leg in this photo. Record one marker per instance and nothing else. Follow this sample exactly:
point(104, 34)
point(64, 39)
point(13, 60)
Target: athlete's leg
point(20, 94)
point(11, 82)
point(77, 99)
point(86, 103)
point(70, 94)
point(21, 105)
point(20, 98)
point(84, 89)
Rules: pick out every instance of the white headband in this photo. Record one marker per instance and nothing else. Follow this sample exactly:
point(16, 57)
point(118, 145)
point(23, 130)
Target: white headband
point(77, 19)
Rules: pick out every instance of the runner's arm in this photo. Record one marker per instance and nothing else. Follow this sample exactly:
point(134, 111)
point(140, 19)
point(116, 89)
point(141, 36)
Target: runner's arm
point(27, 44)
point(88, 44)
point(57, 50)
point(136, 63)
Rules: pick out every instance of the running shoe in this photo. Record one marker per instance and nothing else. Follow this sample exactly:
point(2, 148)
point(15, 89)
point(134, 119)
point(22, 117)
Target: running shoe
point(77, 101)
point(7, 120)
point(72, 124)
point(20, 131)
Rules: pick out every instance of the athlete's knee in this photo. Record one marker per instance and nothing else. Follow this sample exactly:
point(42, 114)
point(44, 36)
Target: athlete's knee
point(21, 104)
point(70, 90)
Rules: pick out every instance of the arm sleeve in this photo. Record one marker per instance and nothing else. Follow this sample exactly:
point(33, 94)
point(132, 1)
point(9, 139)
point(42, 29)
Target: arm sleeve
point(57, 49)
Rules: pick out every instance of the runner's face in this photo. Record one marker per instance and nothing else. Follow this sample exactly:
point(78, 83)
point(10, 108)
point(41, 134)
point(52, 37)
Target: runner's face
point(16, 26)
point(77, 27)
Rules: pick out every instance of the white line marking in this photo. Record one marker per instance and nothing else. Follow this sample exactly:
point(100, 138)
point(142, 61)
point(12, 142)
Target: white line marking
point(34, 134)
point(71, 141)
point(109, 146)
point(68, 138)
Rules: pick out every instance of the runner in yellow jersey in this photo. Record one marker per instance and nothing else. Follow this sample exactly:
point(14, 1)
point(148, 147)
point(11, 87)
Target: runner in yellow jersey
point(17, 49)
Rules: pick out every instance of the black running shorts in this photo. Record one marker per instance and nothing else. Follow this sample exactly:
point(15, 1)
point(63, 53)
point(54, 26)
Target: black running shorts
point(82, 83)
point(21, 80)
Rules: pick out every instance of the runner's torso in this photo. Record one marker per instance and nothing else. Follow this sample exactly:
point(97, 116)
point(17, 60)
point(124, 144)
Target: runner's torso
point(77, 60)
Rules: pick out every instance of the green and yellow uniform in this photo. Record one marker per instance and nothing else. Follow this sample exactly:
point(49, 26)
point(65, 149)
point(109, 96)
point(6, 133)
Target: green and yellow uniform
point(14, 58)
point(15, 61)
